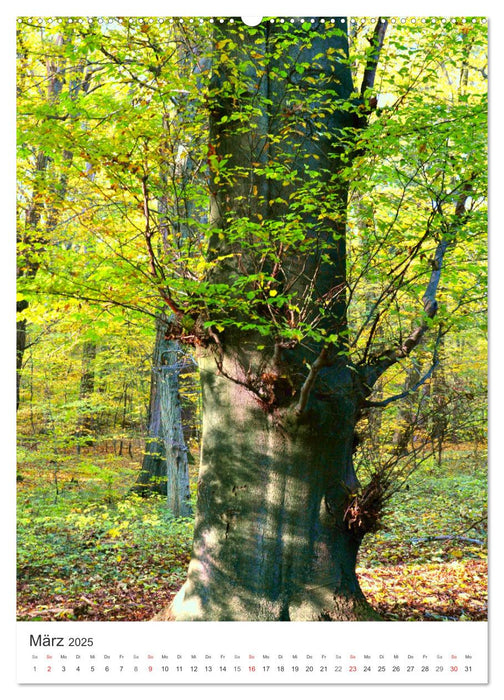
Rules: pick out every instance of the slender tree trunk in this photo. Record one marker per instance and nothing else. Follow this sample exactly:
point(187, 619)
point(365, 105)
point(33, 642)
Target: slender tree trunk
point(406, 418)
point(177, 465)
point(20, 347)
point(152, 477)
point(86, 423)
point(165, 468)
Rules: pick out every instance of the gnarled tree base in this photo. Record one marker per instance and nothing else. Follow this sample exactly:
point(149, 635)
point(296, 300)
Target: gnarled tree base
point(341, 609)
point(270, 540)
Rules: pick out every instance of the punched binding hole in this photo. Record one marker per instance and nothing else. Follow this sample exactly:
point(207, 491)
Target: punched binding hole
point(252, 21)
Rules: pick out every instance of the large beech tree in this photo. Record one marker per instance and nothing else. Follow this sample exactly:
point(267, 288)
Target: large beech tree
point(281, 514)
point(279, 416)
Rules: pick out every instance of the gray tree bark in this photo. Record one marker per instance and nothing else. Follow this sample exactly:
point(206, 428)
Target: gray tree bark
point(165, 466)
point(272, 541)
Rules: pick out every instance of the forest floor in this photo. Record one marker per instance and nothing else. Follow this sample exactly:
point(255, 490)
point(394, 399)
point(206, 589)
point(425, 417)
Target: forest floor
point(89, 551)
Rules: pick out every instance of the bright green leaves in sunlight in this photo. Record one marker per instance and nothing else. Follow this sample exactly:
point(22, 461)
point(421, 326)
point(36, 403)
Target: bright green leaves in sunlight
point(421, 179)
point(110, 110)
point(120, 113)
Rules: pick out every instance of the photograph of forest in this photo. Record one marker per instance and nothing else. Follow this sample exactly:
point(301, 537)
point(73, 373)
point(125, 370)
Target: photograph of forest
point(251, 318)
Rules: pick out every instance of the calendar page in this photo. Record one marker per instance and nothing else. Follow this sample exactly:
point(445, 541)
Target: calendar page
point(251, 347)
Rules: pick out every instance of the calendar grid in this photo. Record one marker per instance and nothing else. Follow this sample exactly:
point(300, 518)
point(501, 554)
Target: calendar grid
point(252, 653)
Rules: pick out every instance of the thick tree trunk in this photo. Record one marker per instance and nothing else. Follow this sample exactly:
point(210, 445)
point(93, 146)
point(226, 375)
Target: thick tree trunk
point(272, 537)
point(271, 541)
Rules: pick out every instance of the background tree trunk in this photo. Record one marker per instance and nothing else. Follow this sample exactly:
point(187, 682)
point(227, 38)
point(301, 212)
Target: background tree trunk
point(20, 346)
point(86, 423)
point(165, 466)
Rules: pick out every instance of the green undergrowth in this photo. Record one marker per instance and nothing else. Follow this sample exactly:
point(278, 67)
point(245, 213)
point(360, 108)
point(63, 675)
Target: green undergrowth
point(428, 561)
point(436, 514)
point(89, 549)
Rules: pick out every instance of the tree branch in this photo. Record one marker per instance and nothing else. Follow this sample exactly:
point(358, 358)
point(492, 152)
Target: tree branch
point(320, 362)
point(439, 538)
point(376, 41)
point(155, 268)
point(404, 394)
point(148, 232)
point(99, 300)
point(380, 363)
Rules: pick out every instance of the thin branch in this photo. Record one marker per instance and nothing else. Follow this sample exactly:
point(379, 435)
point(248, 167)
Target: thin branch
point(99, 301)
point(155, 268)
point(148, 231)
point(436, 538)
point(404, 394)
point(368, 79)
point(320, 362)
point(380, 363)
point(473, 525)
